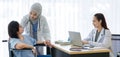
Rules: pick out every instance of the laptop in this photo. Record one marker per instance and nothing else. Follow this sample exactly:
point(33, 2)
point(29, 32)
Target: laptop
point(75, 38)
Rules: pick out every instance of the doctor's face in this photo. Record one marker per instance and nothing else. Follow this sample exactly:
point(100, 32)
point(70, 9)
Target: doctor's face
point(33, 15)
point(96, 23)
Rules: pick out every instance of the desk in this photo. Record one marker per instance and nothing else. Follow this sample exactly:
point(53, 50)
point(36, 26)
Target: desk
point(63, 51)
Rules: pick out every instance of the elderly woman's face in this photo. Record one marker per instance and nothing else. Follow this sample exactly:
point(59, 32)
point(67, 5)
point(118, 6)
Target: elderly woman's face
point(20, 30)
point(33, 15)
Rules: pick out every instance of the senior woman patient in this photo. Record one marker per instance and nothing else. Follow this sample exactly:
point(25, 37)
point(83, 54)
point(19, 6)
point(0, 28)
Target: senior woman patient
point(19, 41)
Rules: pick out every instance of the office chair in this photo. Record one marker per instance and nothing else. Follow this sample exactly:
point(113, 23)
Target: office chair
point(118, 54)
point(115, 44)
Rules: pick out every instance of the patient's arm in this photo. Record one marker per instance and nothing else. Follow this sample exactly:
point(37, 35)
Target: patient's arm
point(22, 45)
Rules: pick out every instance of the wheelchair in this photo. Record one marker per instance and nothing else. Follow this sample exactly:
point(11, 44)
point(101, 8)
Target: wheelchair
point(48, 50)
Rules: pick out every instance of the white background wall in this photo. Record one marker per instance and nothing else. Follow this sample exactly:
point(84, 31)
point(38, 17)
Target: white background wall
point(62, 16)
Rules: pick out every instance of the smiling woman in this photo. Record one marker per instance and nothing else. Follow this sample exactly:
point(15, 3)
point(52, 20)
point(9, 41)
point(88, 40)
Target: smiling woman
point(62, 16)
point(19, 41)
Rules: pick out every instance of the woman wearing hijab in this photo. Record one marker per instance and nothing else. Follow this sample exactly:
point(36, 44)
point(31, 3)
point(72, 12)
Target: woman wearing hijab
point(36, 26)
point(101, 35)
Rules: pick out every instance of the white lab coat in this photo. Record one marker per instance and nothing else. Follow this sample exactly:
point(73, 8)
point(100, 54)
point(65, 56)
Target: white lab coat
point(104, 39)
point(43, 32)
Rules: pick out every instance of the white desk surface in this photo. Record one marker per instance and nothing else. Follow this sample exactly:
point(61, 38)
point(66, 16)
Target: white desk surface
point(66, 49)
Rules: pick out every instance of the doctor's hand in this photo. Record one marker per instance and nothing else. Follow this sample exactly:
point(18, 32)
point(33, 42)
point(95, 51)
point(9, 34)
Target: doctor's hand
point(34, 50)
point(48, 43)
point(40, 42)
point(85, 42)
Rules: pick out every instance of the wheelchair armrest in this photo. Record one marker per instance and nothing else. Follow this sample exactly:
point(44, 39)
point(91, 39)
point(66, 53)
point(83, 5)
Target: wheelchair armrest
point(39, 45)
point(4, 40)
point(23, 49)
point(48, 49)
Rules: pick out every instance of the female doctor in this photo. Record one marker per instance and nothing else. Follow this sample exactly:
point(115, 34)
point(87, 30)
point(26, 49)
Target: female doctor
point(101, 35)
point(36, 26)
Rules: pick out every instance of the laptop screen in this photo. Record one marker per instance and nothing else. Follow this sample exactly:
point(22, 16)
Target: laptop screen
point(75, 38)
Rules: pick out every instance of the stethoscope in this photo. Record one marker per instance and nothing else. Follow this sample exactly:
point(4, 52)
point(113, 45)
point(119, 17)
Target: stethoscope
point(99, 35)
point(32, 22)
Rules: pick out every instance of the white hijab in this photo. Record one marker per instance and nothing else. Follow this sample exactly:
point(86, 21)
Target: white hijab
point(37, 8)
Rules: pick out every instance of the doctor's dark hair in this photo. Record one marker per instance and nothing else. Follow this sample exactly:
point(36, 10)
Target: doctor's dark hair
point(101, 17)
point(13, 28)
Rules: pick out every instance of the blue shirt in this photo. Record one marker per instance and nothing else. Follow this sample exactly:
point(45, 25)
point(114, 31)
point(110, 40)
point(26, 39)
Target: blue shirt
point(22, 53)
point(34, 27)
